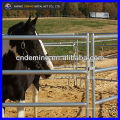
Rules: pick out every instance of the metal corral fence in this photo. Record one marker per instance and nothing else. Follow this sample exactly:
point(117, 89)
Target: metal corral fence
point(76, 44)
point(93, 70)
point(89, 71)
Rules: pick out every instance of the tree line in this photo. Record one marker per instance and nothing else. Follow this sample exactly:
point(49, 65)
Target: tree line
point(80, 10)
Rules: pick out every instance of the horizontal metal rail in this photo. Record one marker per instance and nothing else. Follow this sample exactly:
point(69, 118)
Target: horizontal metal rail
point(66, 67)
point(106, 45)
point(42, 37)
point(106, 99)
point(106, 40)
point(111, 56)
point(106, 69)
point(71, 104)
point(70, 43)
point(60, 78)
point(58, 45)
point(57, 34)
point(109, 80)
point(62, 45)
point(37, 72)
point(105, 36)
point(106, 33)
point(63, 67)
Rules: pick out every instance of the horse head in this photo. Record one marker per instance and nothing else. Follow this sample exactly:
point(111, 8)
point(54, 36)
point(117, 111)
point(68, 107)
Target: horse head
point(30, 47)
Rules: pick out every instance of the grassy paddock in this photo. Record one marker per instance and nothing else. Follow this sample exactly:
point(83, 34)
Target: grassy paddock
point(69, 25)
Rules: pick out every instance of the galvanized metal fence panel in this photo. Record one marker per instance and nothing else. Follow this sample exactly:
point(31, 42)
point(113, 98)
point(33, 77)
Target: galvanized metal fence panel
point(24, 72)
point(89, 64)
point(93, 71)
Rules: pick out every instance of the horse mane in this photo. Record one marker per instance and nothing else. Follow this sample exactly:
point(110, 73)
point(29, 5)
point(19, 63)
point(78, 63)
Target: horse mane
point(15, 27)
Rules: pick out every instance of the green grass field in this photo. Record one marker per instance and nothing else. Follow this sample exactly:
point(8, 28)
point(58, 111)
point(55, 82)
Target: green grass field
point(69, 25)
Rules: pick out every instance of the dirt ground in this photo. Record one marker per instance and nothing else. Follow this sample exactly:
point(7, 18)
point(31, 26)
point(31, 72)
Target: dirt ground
point(57, 90)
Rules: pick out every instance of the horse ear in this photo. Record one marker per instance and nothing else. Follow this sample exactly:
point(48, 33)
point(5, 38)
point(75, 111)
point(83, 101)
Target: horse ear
point(33, 22)
point(28, 21)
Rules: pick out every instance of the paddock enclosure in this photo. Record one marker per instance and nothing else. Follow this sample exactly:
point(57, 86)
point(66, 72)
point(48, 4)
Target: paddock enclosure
point(82, 88)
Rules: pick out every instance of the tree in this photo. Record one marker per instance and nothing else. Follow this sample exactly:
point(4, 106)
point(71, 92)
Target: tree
point(70, 9)
point(55, 13)
point(21, 13)
point(7, 14)
point(84, 9)
point(32, 13)
point(111, 8)
point(96, 7)
point(46, 13)
point(4, 13)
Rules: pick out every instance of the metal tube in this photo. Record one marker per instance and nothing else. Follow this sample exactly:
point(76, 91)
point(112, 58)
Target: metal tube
point(106, 45)
point(110, 57)
point(26, 37)
point(71, 104)
point(76, 61)
point(37, 72)
point(63, 67)
point(87, 76)
point(75, 84)
point(42, 37)
point(106, 69)
point(105, 36)
point(61, 78)
point(106, 33)
point(109, 80)
point(57, 34)
point(106, 99)
point(77, 54)
point(93, 76)
point(106, 40)
point(66, 67)
point(102, 49)
point(58, 45)
point(100, 41)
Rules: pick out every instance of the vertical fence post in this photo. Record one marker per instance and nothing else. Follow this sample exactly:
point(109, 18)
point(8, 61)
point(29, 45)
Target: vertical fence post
point(93, 74)
point(74, 76)
point(102, 49)
point(87, 76)
point(76, 65)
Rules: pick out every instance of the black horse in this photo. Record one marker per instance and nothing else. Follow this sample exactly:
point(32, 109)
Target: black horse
point(15, 86)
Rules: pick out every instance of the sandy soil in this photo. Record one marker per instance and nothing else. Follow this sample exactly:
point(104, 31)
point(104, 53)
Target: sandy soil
point(57, 90)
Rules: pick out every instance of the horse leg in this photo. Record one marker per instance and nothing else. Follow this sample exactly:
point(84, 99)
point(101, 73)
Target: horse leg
point(21, 110)
point(35, 99)
point(21, 113)
point(3, 112)
point(36, 89)
point(3, 109)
